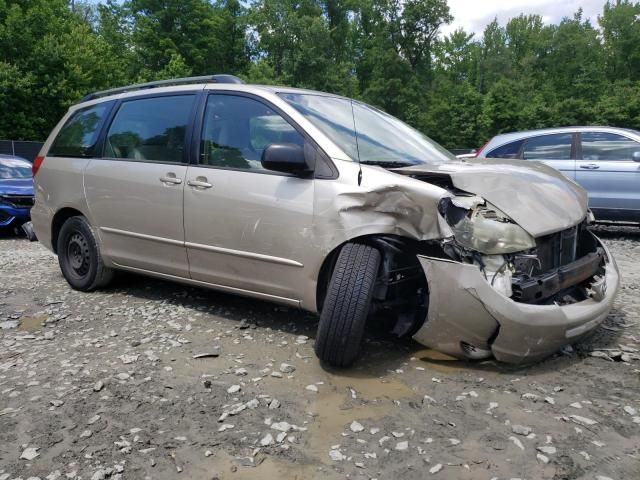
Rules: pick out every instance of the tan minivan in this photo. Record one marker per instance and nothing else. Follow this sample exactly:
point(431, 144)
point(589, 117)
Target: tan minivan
point(325, 203)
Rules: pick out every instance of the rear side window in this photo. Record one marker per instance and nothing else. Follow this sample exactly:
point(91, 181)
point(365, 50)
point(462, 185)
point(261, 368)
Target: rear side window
point(549, 147)
point(607, 146)
point(150, 129)
point(79, 135)
point(510, 150)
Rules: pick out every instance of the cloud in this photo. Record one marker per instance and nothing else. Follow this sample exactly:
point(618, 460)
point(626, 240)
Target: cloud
point(474, 15)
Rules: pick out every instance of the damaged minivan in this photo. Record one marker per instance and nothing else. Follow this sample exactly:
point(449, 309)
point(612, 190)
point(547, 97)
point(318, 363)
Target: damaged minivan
point(324, 203)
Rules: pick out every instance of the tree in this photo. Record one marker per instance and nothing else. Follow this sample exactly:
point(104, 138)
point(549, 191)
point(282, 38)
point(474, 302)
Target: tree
point(621, 32)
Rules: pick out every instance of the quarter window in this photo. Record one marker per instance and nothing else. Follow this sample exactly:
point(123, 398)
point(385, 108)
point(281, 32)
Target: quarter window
point(78, 136)
point(549, 147)
point(236, 130)
point(607, 146)
point(150, 129)
point(510, 150)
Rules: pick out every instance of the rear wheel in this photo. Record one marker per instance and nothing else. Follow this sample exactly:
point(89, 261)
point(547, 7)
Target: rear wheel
point(346, 306)
point(79, 256)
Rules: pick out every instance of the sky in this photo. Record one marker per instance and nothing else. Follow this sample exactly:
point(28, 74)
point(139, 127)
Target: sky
point(474, 15)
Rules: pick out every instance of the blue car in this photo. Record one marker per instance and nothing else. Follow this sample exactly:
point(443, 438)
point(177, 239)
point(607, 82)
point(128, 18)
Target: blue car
point(16, 191)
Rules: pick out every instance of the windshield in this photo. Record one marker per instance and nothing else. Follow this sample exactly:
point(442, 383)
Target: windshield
point(366, 133)
point(14, 168)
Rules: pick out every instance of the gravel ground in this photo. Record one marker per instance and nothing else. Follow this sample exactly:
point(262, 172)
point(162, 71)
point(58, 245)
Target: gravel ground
point(109, 385)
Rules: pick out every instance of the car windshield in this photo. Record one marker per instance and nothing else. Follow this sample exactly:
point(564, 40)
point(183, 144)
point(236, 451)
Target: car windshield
point(366, 133)
point(14, 168)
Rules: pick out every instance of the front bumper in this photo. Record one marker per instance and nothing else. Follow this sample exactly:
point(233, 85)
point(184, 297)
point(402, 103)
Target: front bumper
point(10, 216)
point(468, 317)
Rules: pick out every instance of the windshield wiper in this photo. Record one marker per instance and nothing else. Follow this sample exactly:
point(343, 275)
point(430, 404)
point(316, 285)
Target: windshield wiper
point(387, 163)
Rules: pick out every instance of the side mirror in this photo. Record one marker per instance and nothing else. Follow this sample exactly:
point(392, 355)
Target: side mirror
point(636, 156)
point(287, 158)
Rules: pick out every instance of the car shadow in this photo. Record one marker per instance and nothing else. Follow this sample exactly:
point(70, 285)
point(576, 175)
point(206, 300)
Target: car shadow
point(381, 353)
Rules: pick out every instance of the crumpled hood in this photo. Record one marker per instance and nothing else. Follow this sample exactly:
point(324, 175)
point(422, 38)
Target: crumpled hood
point(16, 186)
point(540, 199)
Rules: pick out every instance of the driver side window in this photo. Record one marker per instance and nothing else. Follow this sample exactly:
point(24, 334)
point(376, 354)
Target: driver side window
point(237, 129)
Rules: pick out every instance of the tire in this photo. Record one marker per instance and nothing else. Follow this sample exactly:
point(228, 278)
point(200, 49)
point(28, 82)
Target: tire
point(346, 306)
point(79, 256)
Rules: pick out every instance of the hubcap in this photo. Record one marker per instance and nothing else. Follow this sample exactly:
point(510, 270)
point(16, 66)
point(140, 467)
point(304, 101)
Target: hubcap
point(78, 254)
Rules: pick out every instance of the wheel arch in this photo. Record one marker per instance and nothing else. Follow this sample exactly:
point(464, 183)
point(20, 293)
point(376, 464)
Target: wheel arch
point(377, 240)
point(58, 220)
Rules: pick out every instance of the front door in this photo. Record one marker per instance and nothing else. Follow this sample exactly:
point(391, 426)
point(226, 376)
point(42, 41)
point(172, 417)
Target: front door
point(135, 191)
point(607, 170)
point(246, 228)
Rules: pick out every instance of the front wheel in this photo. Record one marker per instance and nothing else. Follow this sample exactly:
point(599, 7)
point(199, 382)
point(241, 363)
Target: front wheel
point(346, 306)
point(79, 256)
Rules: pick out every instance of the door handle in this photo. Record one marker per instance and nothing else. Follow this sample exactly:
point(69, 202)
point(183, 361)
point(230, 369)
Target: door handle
point(199, 184)
point(590, 166)
point(171, 178)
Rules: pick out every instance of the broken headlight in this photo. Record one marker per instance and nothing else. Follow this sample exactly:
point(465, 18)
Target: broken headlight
point(479, 226)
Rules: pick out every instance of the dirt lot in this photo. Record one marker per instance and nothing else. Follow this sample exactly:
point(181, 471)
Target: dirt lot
point(107, 385)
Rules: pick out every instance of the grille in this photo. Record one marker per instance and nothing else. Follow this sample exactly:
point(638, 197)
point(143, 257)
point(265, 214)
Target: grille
point(18, 201)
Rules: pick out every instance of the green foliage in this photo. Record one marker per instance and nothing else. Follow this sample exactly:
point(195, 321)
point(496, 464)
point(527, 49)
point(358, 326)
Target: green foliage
point(459, 89)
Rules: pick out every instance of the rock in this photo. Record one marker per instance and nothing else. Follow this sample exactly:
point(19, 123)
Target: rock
point(336, 455)
point(402, 446)
point(30, 453)
point(276, 375)
point(99, 385)
point(550, 400)
point(587, 422)
point(99, 474)
point(286, 368)
point(312, 388)
point(241, 372)
point(492, 406)
point(208, 453)
point(273, 404)
point(356, 427)
point(575, 405)
point(266, 440)
point(548, 449)
point(517, 442)
point(282, 426)
point(521, 430)
point(127, 359)
point(93, 419)
point(435, 469)
point(234, 389)
point(225, 426)
point(56, 403)
point(630, 410)
point(530, 396)
point(543, 458)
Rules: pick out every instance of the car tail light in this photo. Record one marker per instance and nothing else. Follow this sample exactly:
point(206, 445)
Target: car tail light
point(482, 148)
point(37, 163)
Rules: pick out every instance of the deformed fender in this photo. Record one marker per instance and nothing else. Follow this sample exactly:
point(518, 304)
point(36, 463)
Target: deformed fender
point(384, 203)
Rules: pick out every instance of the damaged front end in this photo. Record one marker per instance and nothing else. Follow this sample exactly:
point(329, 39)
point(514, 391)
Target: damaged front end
point(498, 291)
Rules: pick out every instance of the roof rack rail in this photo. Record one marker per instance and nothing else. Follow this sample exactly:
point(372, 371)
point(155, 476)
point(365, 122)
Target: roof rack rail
point(220, 78)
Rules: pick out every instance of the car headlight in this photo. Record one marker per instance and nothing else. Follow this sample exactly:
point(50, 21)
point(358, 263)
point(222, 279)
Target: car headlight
point(478, 225)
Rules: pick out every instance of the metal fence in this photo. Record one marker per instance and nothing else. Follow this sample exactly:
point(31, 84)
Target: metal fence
point(19, 148)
